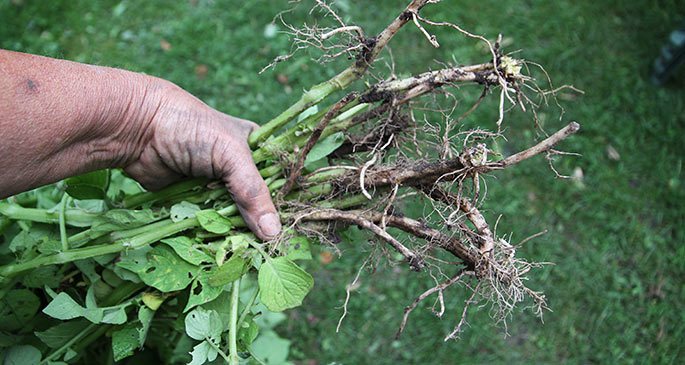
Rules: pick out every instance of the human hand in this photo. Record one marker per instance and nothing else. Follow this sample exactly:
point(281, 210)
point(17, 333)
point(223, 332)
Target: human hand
point(182, 136)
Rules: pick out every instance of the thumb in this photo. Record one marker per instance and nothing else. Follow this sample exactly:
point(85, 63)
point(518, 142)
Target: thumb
point(251, 195)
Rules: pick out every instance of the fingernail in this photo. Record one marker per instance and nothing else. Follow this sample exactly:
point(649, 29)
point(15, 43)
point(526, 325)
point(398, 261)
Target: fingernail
point(270, 224)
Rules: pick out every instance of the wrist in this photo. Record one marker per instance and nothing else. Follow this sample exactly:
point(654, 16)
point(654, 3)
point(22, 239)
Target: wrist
point(118, 129)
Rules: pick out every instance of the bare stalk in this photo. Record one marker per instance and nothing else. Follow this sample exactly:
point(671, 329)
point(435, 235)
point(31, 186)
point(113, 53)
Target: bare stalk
point(313, 138)
point(415, 263)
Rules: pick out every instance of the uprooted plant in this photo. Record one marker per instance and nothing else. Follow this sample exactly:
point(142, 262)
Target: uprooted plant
point(184, 260)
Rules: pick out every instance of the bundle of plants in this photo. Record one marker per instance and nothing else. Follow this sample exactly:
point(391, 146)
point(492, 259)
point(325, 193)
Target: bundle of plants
point(95, 266)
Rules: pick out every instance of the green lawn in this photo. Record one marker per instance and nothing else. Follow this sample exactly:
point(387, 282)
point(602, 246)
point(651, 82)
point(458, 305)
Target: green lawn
point(615, 237)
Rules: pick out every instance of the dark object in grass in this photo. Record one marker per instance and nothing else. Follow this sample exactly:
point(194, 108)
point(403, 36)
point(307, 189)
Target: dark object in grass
point(671, 57)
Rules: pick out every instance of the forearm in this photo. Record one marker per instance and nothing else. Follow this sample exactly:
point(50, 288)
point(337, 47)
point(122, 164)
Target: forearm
point(60, 118)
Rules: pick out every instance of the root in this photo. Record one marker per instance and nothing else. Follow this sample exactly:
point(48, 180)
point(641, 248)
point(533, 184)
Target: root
point(348, 289)
point(376, 170)
point(415, 262)
point(438, 288)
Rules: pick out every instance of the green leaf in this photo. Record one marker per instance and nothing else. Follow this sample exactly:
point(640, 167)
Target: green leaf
point(17, 309)
point(246, 334)
point(104, 260)
point(92, 185)
point(70, 354)
point(109, 277)
point(184, 247)
point(64, 307)
point(121, 185)
point(315, 165)
point(179, 352)
point(101, 290)
point(120, 219)
point(201, 323)
point(125, 341)
point(114, 315)
point(161, 268)
point(222, 305)
point(239, 243)
point(257, 260)
point(230, 271)
point(40, 235)
point(22, 241)
point(183, 210)
point(298, 248)
point(283, 284)
point(90, 298)
point(152, 300)
point(324, 148)
point(7, 339)
point(271, 348)
point(268, 319)
point(201, 291)
point(60, 334)
point(201, 353)
point(145, 316)
point(42, 276)
point(22, 355)
point(132, 336)
point(126, 275)
point(308, 112)
point(213, 222)
point(87, 267)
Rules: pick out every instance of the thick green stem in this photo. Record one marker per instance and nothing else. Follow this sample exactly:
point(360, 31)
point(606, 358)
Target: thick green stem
point(62, 223)
point(287, 141)
point(327, 175)
point(88, 252)
point(163, 194)
point(149, 235)
point(233, 328)
point(197, 198)
point(312, 97)
point(73, 217)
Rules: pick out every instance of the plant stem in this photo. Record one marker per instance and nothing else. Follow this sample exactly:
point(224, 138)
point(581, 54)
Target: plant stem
point(247, 309)
point(66, 346)
point(120, 293)
point(163, 194)
point(287, 141)
point(62, 224)
point(73, 217)
point(218, 350)
point(309, 98)
point(101, 330)
point(233, 329)
point(87, 252)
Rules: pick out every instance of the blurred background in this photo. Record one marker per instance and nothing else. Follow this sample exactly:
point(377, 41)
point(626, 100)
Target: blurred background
point(616, 234)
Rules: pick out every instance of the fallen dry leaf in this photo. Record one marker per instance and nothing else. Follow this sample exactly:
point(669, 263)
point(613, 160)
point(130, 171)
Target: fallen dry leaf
point(578, 177)
point(283, 79)
point(201, 71)
point(165, 45)
point(612, 153)
point(326, 257)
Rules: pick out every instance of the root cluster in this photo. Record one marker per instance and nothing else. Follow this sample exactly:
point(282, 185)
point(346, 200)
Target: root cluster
point(391, 159)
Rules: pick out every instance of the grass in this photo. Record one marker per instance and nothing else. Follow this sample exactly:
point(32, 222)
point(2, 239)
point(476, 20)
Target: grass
point(615, 236)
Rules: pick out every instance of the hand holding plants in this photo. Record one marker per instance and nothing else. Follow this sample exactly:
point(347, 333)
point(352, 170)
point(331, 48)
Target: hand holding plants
point(61, 118)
